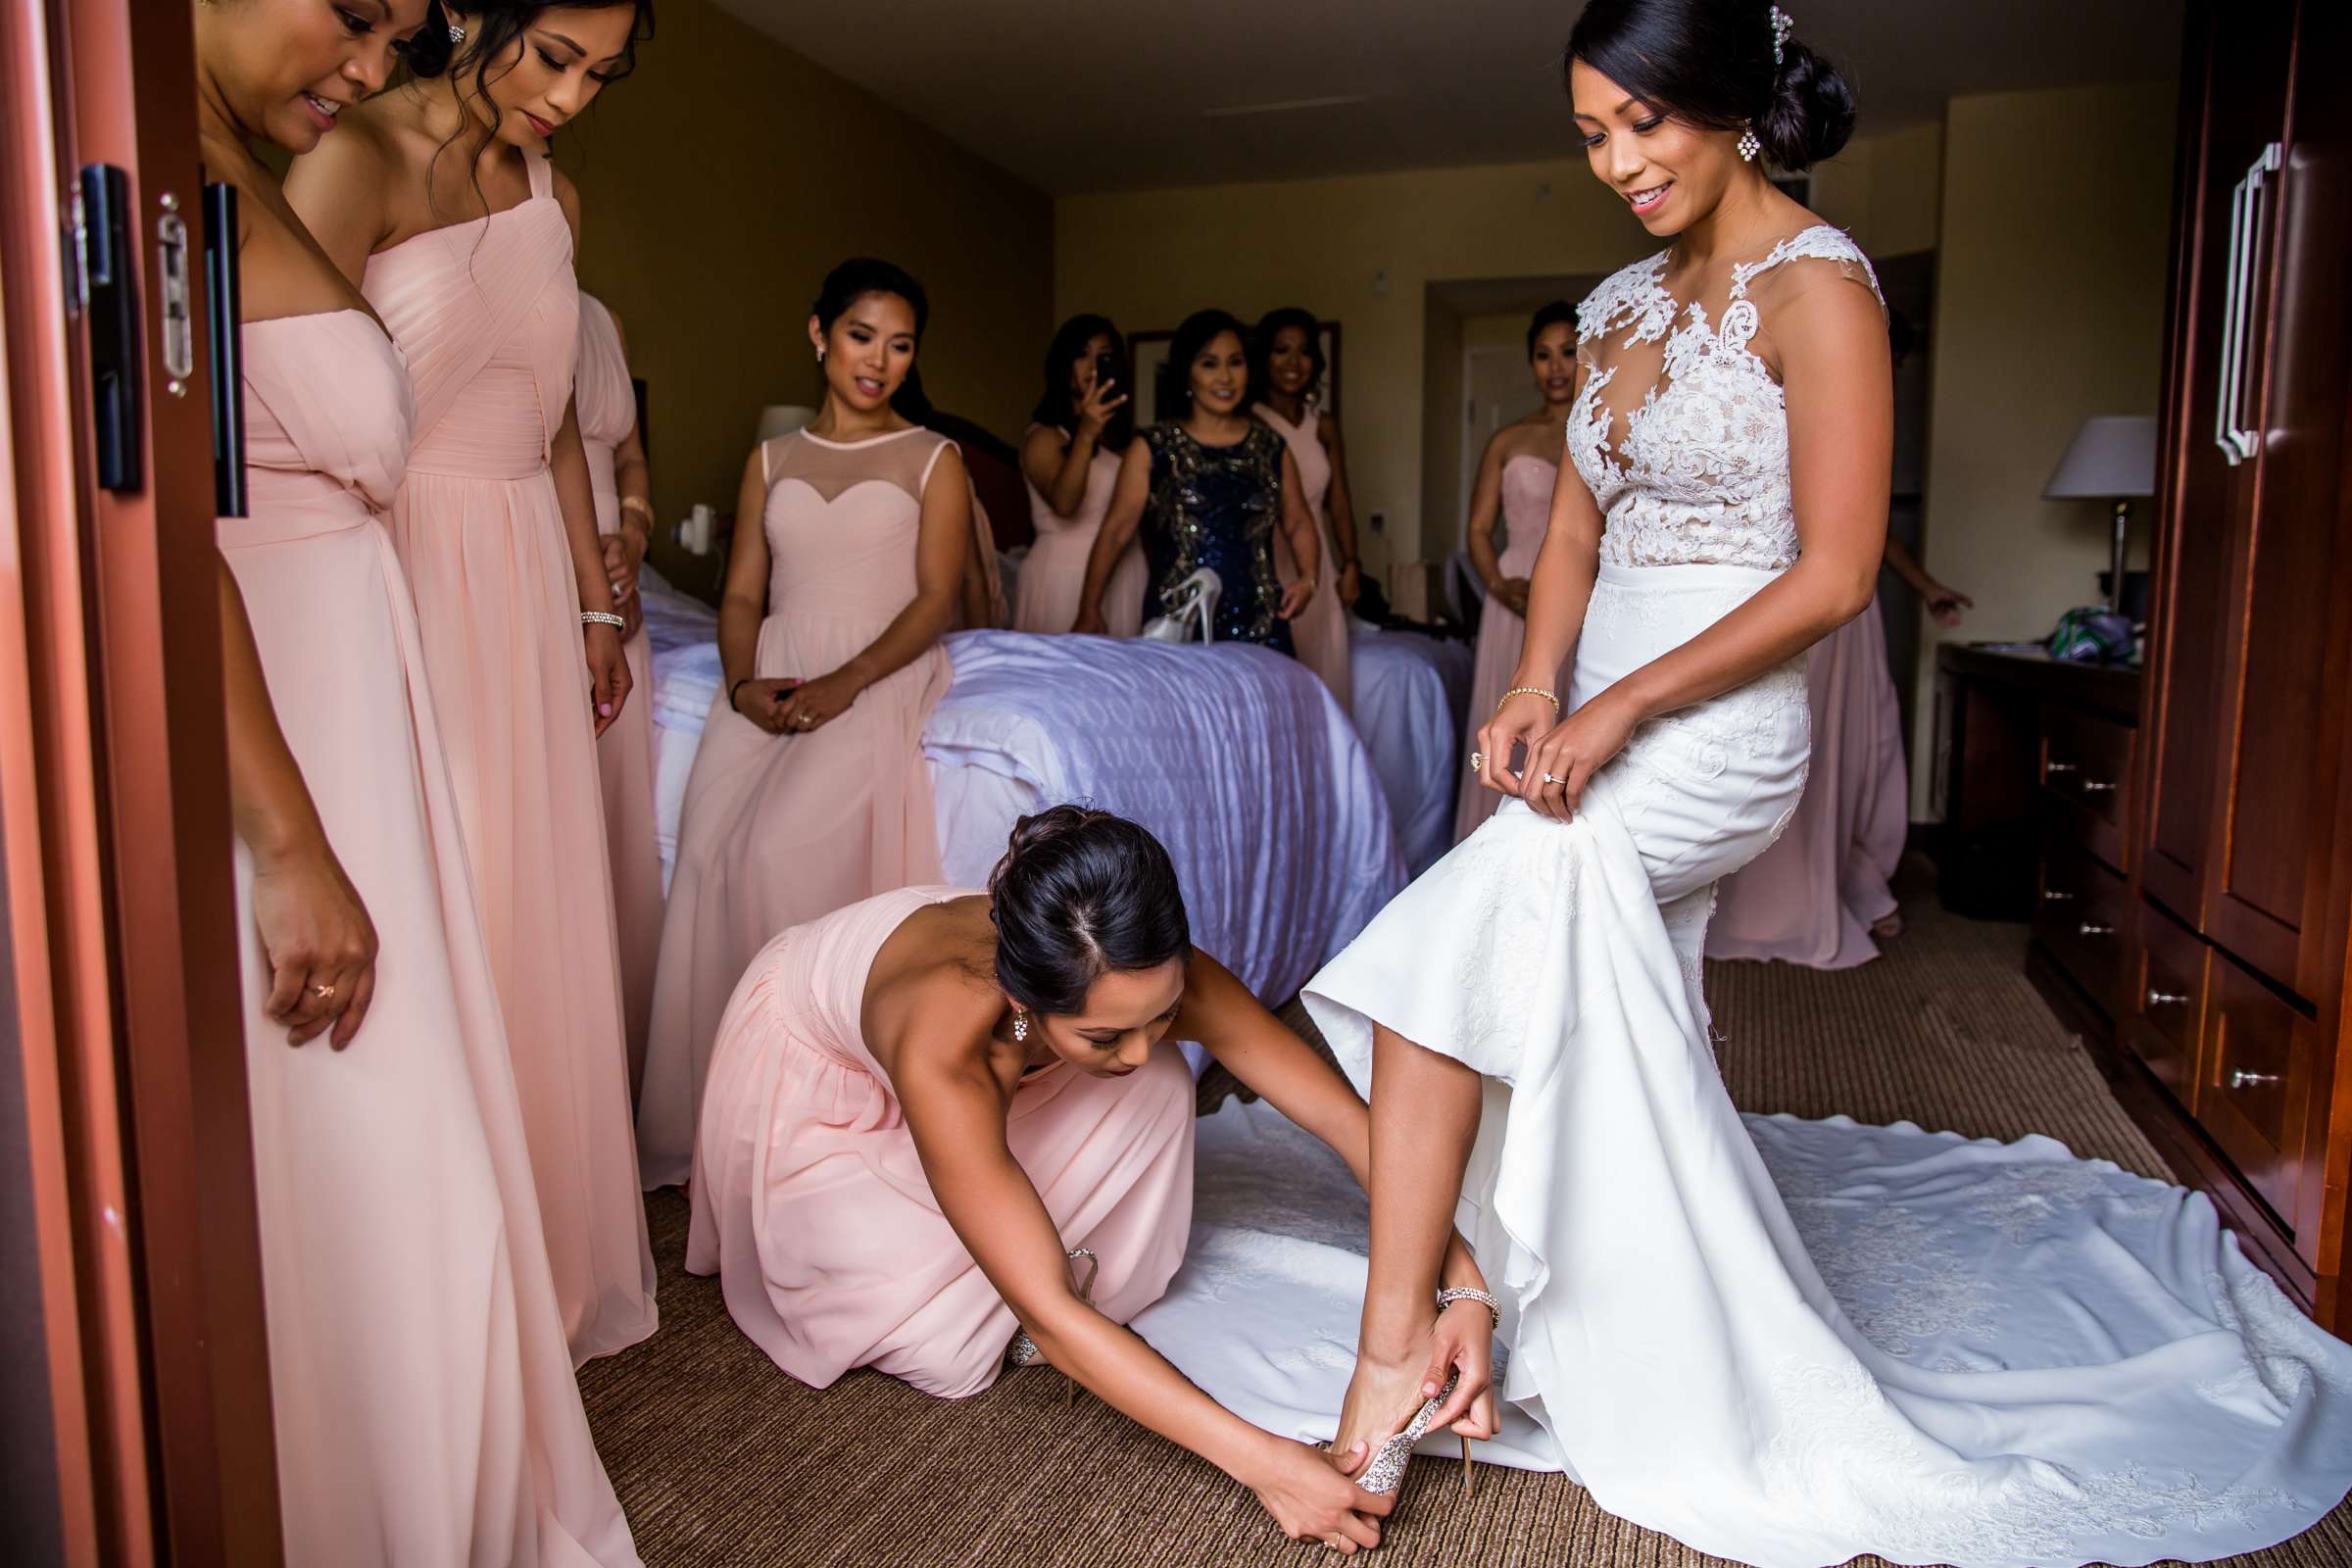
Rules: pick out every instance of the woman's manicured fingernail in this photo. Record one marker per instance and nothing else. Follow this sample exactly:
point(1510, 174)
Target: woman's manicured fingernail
point(605, 709)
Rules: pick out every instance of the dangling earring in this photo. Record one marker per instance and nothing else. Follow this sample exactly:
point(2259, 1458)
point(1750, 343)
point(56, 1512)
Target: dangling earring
point(457, 34)
point(1749, 146)
point(1020, 1026)
point(820, 353)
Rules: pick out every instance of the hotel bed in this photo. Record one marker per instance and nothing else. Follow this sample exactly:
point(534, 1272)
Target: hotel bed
point(1235, 758)
point(1410, 694)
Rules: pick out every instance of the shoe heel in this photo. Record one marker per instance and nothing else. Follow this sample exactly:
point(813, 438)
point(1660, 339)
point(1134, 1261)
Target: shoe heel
point(1467, 1463)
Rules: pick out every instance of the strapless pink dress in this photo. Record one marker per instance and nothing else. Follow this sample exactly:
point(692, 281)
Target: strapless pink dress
point(811, 1204)
point(1046, 597)
point(624, 753)
point(422, 1391)
point(1812, 898)
point(488, 314)
point(779, 829)
point(1320, 633)
point(1527, 483)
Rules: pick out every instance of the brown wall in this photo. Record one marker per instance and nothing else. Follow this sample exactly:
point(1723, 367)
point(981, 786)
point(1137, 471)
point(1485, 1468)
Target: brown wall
point(719, 184)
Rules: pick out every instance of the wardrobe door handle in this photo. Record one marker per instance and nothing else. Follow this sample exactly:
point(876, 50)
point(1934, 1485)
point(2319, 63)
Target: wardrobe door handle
point(2092, 928)
point(2056, 896)
point(2245, 234)
point(2249, 1080)
point(2165, 999)
point(2053, 769)
point(2095, 786)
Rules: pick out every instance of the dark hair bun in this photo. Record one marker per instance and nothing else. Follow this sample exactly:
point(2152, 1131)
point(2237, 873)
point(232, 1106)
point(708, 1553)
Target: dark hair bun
point(1811, 116)
point(1079, 894)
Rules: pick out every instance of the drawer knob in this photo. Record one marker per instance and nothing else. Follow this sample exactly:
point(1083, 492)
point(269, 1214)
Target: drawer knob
point(2241, 1078)
point(2165, 998)
point(2053, 769)
point(2092, 928)
point(2095, 786)
point(2055, 895)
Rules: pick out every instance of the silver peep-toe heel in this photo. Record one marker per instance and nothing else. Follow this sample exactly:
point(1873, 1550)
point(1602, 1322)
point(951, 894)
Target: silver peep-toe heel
point(1387, 1468)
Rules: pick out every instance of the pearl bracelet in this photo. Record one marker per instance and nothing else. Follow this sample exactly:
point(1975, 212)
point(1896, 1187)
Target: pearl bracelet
point(1464, 1293)
point(600, 617)
point(1553, 698)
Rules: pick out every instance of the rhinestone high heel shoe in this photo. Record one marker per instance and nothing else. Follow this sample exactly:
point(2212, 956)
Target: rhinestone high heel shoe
point(1023, 1350)
point(1387, 1468)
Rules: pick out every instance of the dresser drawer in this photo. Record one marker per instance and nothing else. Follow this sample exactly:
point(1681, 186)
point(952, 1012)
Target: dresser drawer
point(2079, 915)
point(2256, 1085)
point(2162, 1006)
point(2085, 770)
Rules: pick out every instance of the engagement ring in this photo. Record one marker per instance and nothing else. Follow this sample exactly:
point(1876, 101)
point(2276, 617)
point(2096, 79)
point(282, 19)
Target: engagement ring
point(1478, 762)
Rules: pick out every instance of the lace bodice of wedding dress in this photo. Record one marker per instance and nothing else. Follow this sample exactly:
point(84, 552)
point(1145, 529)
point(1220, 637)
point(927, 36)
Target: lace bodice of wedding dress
point(1679, 429)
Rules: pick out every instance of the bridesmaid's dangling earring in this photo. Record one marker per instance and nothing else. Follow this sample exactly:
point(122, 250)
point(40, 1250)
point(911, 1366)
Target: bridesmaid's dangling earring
point(1749, 146)
point(1020, 1026)
point(820, 353)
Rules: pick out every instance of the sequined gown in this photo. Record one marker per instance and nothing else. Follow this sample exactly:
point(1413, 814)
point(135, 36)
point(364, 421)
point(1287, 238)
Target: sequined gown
point(2022, 1358)
point(1217, 507)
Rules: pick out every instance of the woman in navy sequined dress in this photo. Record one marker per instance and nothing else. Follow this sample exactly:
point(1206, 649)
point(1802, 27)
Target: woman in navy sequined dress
point(1210, 490)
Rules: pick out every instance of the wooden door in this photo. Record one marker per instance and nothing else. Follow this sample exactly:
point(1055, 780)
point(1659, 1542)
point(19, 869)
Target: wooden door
point(2234, 63)
point(122, 960)
point(2285, 633)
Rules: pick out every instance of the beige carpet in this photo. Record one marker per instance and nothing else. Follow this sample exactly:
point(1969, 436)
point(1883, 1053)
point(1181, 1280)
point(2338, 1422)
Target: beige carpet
point(721, 1460)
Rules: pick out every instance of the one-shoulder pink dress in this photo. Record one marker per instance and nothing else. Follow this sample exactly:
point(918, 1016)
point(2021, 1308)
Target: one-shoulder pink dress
point(488, 315)
point(811, 1203)
point(1054, 577)
point(1812, 898)
point(779, 829)
point(624, 753)
point(1320, 631)
point(1527, 483)
point(422, 1391)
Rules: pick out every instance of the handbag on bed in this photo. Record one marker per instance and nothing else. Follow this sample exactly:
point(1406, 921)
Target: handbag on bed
point(1191, 610)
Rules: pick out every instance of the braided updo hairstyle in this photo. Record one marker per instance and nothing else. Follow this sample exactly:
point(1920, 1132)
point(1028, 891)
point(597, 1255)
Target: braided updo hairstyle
point(1078, 895)
point(1709, 63)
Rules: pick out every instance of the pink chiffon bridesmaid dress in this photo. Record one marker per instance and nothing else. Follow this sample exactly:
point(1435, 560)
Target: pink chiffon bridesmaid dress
point(1320, 632)
point(811, 1203)
point(1812, 898)
point(1527, 483)
point(488, 314)
point(624, 753)
point(1054, 574)
point(779, 829)
point(422, 1387)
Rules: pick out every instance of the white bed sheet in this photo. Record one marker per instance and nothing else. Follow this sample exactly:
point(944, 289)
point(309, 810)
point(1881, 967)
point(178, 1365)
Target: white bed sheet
point(1411, 692)
point(1237, 758)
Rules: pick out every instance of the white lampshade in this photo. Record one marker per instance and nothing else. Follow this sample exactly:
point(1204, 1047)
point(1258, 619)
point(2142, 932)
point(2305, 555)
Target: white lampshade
point(2112, 455)
point(782, 418)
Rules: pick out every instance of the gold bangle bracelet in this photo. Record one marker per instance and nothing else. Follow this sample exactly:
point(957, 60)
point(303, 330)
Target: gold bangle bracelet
point(1552, 697)
point(639, 505)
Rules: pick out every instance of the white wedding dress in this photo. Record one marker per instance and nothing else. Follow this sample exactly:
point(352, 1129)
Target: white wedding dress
point(2041, 1361)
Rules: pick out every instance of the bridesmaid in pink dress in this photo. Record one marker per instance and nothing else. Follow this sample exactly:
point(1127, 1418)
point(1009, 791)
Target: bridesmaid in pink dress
point(1071, 461)
point(496, 527)
point(1287, 348)
point(810, 791)
point(423, 1392)
point(624, 753)
point(1515, 476)
point(948, 1129)
point(1821, 896)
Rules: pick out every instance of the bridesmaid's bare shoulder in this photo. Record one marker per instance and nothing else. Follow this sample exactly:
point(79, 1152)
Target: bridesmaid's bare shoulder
point(932, 985)
point(567, 197)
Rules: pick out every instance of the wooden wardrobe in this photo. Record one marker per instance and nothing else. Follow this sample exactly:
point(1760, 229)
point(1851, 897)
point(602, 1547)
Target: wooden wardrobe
point(2230, 1040)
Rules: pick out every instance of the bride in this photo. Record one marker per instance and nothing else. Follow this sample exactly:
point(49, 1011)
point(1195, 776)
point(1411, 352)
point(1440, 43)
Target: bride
point(1529, 1021)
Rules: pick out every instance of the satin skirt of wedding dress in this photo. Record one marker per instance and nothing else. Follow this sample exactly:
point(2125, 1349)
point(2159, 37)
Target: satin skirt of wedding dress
point(2109, 1380)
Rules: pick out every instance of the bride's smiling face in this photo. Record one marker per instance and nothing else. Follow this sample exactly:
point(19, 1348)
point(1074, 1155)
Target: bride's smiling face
point(1127, 1012)
point(1670, 173)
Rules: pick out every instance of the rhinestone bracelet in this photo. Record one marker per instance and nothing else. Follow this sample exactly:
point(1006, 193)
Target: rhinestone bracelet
point(1463, 1293)
point(1553, 698)
point(599, 618)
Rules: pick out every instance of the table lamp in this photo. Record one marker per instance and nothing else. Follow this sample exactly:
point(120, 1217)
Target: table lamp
point(782, 418)
point(2112, 459)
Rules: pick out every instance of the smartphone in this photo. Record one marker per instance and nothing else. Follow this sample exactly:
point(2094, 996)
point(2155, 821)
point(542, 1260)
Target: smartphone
point(1104, 365)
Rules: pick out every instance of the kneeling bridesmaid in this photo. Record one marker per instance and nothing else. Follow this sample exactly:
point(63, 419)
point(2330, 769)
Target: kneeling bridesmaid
point(944, 1130)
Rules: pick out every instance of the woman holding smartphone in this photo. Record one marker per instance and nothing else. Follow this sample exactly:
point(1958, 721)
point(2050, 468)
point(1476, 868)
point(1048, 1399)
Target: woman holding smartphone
point(1071, 461)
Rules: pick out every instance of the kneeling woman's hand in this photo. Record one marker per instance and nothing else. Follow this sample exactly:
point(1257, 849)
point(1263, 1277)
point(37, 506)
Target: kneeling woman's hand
point(1313, 1500)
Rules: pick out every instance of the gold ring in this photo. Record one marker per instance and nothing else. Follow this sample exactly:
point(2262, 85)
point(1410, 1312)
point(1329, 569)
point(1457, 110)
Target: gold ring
point(1478, 762)
point(323, 992)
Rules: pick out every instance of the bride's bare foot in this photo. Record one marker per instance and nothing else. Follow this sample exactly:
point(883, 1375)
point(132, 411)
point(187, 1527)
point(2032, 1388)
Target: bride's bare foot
point(1382, 1398)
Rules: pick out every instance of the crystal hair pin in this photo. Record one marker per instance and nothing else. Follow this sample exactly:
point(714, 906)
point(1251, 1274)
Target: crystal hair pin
point(1782, 25)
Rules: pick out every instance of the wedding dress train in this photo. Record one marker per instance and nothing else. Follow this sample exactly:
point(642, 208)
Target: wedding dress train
point(2107, 1379)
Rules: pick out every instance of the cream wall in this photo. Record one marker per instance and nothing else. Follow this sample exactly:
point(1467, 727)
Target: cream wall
point(1362, 249)
point(2050, 284)
point(722, 182)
